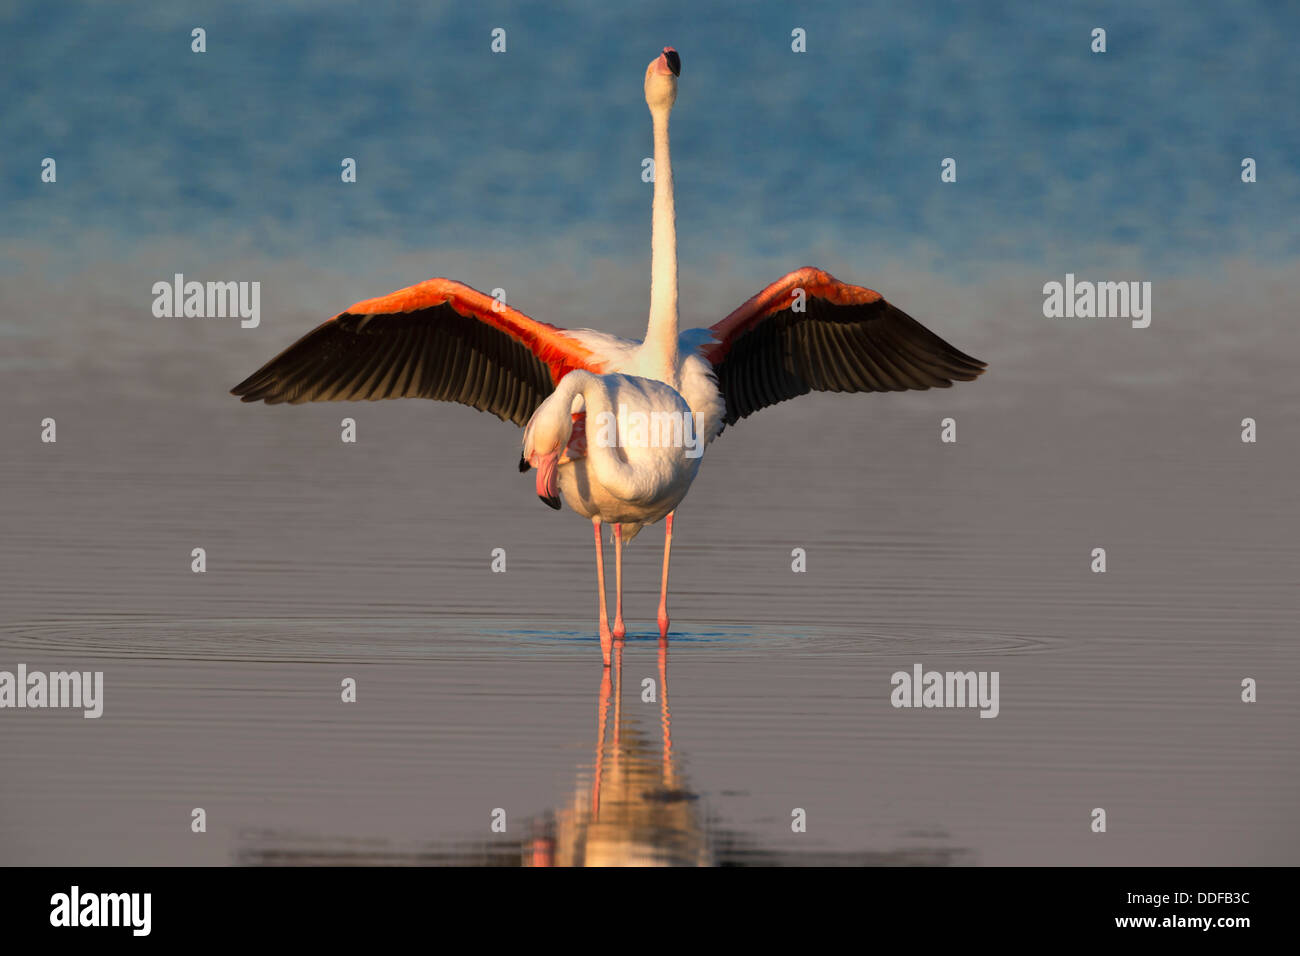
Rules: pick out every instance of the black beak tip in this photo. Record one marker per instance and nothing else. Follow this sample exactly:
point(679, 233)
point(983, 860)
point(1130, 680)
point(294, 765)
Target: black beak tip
point(551, 502)
point(523, 464)
point(674, 62)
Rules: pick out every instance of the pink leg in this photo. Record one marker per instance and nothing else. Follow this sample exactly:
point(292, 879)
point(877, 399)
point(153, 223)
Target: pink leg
point(665, 717)
point(619, 628)
point(600, 586)
point(602, 712)
point(663, 592)
point(618, 698)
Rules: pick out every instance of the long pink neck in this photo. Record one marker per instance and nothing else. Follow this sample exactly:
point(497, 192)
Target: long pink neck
point(661, 334)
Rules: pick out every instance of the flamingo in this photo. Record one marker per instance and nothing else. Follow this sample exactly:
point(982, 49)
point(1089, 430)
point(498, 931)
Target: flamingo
point(442, 340)
point(623, 477)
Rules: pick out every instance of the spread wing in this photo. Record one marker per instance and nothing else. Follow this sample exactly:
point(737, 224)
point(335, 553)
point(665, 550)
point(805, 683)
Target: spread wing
point(438, 339)
point(810, 332)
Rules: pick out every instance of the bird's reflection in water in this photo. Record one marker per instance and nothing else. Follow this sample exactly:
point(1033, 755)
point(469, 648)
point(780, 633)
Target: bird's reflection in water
point(634, 808)
point(636, 811)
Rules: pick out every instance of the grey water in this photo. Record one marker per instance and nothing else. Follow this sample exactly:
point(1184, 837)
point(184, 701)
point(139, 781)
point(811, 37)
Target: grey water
point(480, 692)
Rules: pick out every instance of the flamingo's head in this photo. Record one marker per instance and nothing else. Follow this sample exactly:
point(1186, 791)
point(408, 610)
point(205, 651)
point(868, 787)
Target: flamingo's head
point(547, 436)
point(661, 79)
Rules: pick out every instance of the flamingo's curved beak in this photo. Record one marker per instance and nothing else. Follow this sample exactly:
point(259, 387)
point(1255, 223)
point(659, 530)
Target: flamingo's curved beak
point(669, 62)
point(548, 485)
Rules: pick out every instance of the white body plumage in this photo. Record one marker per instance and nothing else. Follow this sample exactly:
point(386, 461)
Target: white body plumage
point(633, 460)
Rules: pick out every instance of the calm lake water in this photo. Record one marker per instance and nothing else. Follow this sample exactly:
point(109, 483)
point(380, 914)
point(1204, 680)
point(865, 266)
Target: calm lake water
point(480, 691)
